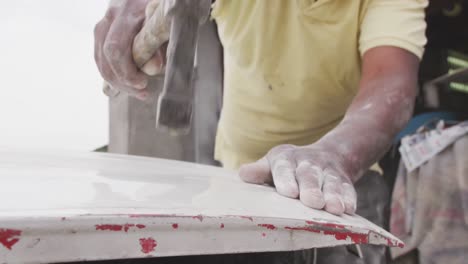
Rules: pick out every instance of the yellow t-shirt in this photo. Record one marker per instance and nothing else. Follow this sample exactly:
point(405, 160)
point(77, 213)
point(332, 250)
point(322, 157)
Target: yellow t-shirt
point(292, 67)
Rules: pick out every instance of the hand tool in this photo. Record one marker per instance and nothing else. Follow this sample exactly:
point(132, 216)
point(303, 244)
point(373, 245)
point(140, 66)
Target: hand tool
point(175, 103)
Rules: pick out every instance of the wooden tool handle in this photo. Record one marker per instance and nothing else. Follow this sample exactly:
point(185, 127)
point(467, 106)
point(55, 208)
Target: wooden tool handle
point(154, 33)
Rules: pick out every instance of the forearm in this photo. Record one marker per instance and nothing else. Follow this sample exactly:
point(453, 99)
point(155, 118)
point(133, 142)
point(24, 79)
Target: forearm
point(383, 105)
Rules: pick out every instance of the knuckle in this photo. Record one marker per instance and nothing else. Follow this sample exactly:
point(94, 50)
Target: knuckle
point(97, 57)
point(348, 186)
point(349, 190)
point(333, 188)
point(331, 194)
point(110, 13)
point(306, 154)
point(308, 172)
point(309, 175)
point(112, 51)
point(281, 164)
point(281, 152)
point(125, 77)
point(332, 176)
point(281, 148)
point(129, 78)
point(304, 165)
point(105, 21)
point(107, 74)
point(97, 29)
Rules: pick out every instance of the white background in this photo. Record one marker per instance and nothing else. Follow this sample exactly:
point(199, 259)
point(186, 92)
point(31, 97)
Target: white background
point(50, 89)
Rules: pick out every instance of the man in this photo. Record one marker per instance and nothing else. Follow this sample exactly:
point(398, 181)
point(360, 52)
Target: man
point(314, 90)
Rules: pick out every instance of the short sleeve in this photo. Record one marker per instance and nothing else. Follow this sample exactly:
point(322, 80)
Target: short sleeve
point(398, 23)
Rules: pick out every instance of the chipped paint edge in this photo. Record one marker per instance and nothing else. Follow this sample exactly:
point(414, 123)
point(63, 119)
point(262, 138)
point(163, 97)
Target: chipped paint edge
point(157, 235)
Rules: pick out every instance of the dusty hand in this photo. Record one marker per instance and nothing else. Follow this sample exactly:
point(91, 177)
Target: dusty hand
point(114, 36)
point(316, 174)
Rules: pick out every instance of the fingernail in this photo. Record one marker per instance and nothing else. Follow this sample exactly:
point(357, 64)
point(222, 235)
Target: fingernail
point(335, 206)
point(257, 172)
point(142, 95)
point(150, 69)
point(351, 208)
point(288, 189)
point(141, 84)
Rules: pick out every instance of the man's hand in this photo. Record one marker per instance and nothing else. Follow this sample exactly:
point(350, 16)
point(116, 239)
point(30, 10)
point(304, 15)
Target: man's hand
point(321, 174)
point(114, 36)
point(317, 174)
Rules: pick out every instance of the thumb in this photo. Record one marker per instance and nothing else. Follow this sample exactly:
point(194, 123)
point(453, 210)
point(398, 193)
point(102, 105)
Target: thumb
point(151, 7)
point(257, 172)
point(157, 63)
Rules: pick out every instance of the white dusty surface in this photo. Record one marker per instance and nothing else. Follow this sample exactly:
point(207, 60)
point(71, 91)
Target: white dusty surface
point(59, 206)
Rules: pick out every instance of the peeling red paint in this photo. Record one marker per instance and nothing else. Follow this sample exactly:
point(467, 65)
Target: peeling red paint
point(336, 226)
point(359, 238)
point(175, 225)
point(268, 226)
point(246, 217)
point(199, 217)
point(303, 228)
point(221, 226)
point(109, 227)
point(9, 237)
point(125, 227)
point(392, 243)
point(355, 237)
point(148, 245)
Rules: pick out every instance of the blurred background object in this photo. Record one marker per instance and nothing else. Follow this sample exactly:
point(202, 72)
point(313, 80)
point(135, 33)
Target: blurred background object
point(51, 99)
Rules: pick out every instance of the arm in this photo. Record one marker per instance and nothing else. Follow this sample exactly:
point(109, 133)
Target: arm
point(382, 107)
point(321, 174)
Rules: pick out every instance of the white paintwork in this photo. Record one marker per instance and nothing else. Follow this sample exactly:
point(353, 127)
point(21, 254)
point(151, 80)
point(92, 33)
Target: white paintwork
point(74, 206)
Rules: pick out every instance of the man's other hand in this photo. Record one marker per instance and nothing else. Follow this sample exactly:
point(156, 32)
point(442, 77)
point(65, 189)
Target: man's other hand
point(315, 174)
